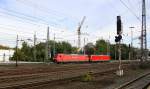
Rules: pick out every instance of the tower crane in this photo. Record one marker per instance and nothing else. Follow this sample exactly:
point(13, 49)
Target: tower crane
point(79, 32)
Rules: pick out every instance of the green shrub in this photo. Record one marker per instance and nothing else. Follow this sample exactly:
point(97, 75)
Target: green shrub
point(87, 77)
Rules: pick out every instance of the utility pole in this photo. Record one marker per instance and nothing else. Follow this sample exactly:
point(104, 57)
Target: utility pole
point(131, 47)
point(108, 46)
point(116, 51)
point(144, 53)
point(17, 51)
point(120, 62)
point(47, 49)
point(54, 45)
point(34, 51)
point(129, 52)
point(84, 46)
point(4, 57)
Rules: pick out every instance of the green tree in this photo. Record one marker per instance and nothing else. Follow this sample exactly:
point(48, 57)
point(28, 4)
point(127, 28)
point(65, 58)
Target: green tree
point(27, 51)
point(63, 47)
point(20, 55)
point(74, 50)
point(113, 50)
point(89, 49)
point(101, 47)
point(40, 52)
point(124, 51)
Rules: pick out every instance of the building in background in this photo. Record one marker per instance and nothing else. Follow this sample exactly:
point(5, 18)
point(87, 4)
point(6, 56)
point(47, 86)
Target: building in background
point(5, 55)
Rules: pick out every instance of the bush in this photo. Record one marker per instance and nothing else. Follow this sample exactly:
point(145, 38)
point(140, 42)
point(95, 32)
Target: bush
point(87, 77)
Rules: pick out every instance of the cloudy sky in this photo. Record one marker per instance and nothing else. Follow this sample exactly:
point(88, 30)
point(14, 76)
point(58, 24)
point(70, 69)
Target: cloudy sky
point(26, 17)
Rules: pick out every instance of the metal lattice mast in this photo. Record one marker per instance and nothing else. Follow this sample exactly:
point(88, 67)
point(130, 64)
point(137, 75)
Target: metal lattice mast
point(143, 33)
point(47, 49)
point(34, 51)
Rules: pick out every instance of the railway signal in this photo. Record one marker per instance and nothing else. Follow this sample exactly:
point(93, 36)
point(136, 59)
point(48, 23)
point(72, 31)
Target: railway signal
point(118, 40)
point(119, 30)
point(119, 25)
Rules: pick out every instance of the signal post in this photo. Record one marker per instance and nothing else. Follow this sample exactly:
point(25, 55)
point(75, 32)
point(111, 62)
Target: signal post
point(118, 41)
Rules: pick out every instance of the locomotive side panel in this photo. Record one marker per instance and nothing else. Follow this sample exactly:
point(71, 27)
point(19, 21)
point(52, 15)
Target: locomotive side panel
point(100, 58)
point(71, 58)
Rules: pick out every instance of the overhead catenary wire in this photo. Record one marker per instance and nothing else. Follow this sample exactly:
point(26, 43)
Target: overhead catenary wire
point(115, 9)
point(130, 10)
point(137, 7)
point(47, 10)
point(56, 16)
point(19, 19)
point(12, 31)
point(15, 29)
point(25, 17)
point(16, 16)
point(14, 35)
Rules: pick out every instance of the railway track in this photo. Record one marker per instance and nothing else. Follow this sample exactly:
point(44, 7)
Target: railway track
point(39, 79)
point(50, 68)
point(57, 71)
point(35, 84)
point(138, 83)
point(52, 73)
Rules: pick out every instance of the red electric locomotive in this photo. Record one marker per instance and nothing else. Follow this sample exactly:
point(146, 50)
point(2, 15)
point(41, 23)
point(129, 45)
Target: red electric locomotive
point(63, 58)
point(96, 58)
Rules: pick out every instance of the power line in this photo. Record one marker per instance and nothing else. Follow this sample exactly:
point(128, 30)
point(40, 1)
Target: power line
point(25, 31)
point(45, 9)
point(54, 14)
point(9, 29)
point(8, 40)
point(18, 16)
point(21, 36)
point(130, 10)
point(14, 28)
point(24, 16)
point(19, 19)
